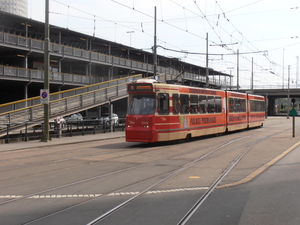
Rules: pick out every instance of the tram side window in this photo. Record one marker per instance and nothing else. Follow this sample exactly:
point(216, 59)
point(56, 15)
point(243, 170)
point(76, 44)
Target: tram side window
point(176, 108)
point(257, 106)
point(261, 106)
point(184, 104)
point(218, 105)
point(194, 103)
point(242, 105)
point(232, 105)
point(211, 104)
point(163, 103)
point(253, 106)
point(237, 105)
point(203, 103)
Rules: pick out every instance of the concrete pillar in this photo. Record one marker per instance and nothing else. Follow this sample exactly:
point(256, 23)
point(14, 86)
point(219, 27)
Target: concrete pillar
point(110, 110)
point(99, 112)
point(26, 94)
point(271, 107)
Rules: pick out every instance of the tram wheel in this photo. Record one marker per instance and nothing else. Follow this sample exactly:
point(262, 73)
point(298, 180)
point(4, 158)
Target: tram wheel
point(188, 137)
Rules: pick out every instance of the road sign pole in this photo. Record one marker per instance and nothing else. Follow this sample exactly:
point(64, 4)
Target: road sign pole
point(293, 126)
point(293, 113)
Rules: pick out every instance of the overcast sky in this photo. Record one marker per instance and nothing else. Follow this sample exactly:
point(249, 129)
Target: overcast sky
point(266, 30)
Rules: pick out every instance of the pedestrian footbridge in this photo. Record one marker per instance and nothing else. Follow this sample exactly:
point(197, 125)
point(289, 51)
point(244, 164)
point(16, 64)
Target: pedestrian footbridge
point(16, 115)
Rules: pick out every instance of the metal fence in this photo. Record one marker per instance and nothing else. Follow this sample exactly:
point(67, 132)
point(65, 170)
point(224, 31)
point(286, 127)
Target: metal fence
point(70, 129)
point(38, 75)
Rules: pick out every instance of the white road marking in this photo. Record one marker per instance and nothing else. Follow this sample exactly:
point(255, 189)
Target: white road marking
point(98, 195)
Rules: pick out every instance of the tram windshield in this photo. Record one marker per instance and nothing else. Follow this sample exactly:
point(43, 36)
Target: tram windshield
point(142, 105)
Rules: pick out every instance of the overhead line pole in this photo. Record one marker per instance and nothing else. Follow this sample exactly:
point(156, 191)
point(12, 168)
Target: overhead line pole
point(237, 72)
point(46, 137)
point(288, 96)
point(207, 71)
point(283, 70)
point(155, 47)
point(252, 91)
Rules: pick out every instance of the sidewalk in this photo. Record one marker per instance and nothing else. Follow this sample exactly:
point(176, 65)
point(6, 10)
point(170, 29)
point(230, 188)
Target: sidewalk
point(62, 141)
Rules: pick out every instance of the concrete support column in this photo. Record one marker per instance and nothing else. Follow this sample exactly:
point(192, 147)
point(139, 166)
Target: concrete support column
point(99, 112)
point(59, 65)
point(26, 93)
point(26, 62)
point(87, 69)
point(271, 106)
point(110, 110)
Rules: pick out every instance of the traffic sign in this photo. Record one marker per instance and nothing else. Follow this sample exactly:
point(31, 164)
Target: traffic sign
point(293, 112)
point(44, 96)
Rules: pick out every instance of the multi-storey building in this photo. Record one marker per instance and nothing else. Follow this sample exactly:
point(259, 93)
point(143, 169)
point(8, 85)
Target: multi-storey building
point(76, 60)
point(17, 7)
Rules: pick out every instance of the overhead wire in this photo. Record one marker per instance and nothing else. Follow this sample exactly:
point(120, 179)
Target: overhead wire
point(202, 16)
point(198, 53)
point(101, 18)
point(222, 45)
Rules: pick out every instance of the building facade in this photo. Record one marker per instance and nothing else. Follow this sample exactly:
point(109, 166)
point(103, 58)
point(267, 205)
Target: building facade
point(17, 7)
point(77, 60)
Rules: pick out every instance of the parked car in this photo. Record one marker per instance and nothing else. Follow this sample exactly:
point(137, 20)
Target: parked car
point(74, 117)
point(104, 119)
point(62, 121)
point(51, 125)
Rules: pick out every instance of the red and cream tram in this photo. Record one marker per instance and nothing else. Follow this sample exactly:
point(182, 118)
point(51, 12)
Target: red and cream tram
point(165, 112)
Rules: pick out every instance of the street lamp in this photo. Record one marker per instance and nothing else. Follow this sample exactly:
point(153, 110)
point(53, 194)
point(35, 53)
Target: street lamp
point(130, 32)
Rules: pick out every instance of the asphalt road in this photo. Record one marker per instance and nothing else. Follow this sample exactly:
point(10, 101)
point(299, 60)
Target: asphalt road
point(77, 180)
point(270, 199)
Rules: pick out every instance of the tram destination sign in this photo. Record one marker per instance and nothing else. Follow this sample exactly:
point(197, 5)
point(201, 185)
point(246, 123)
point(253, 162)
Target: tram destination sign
point(140, 87)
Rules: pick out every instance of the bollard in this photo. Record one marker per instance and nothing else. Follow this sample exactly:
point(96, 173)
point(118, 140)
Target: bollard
point(293, 126)
point(58, 130)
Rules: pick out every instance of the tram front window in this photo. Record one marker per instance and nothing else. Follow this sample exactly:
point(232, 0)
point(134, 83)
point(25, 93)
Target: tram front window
point(142, 105)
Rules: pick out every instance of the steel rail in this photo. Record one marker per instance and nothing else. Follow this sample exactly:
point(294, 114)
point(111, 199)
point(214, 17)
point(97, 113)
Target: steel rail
point(183, 168)
point(171, 174)
point(122, 170)
point(202, 199)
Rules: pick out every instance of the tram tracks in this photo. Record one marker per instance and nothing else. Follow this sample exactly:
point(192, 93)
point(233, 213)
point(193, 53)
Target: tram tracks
point(169, 174)
point(103, 175)
point(215, 183)
point(201, 200)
